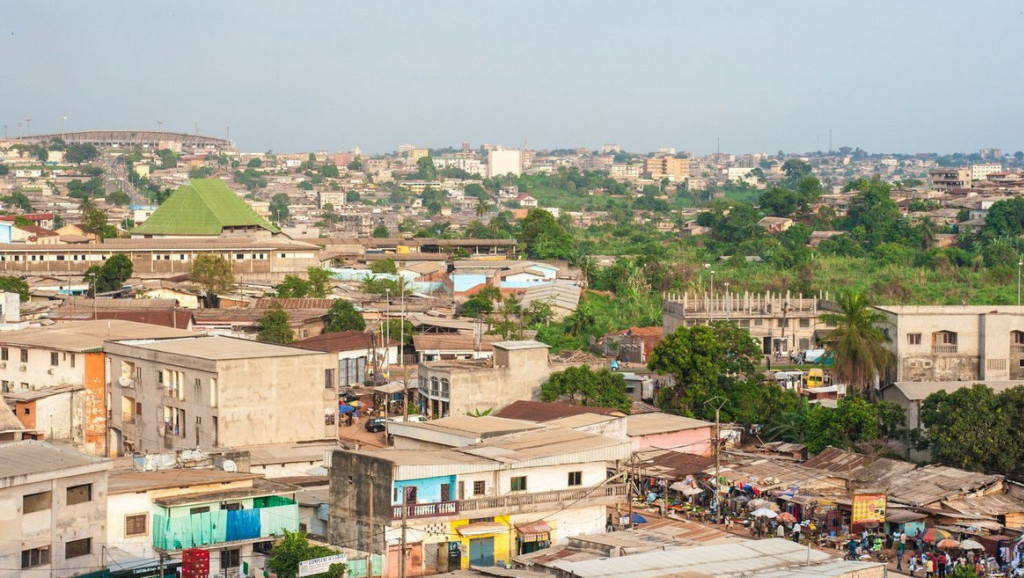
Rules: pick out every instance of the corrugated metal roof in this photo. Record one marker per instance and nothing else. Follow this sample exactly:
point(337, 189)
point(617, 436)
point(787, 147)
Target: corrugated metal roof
point(27, 457)
point(540, 411)
point(932, 484)
point(734, 559)
point(646, 424)
point(132, 481)
point(83, 336)
point(8, 421)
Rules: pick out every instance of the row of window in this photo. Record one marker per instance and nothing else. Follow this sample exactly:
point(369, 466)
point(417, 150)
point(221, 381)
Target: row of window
point(517, 484)
point(55, 356)
point(41, 556)
point(41, 501)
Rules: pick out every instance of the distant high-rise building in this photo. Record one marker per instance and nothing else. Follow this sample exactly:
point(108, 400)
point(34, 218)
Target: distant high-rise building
point(665, 151)
point(981, 172)
point(676, 170)
point(465, 146)
point(405, 148)
point(504, 162)
point(949, 179)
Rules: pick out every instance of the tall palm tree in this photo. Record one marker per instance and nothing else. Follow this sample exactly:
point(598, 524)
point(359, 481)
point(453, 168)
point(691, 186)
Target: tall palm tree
point(857, 342)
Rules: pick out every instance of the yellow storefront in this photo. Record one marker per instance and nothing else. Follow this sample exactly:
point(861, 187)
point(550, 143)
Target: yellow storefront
point(483, 542)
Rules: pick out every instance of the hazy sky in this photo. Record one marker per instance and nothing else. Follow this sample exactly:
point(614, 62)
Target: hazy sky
point(887, 76)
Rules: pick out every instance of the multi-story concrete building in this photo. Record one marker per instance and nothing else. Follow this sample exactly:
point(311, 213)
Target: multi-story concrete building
point(949, 179)
point(55, 376)
point(53, 507)
point(216, 392)
point(982, 171)
point(944, 348)
point(781, 323)
point(267, 260)
point(478, 504)
point(504, 162)
point(676, 170)
point(515, 371)
point(963, 343)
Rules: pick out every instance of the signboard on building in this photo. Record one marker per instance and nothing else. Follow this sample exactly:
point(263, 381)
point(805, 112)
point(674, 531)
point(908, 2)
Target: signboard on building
point(320, 565)
point(868, 508)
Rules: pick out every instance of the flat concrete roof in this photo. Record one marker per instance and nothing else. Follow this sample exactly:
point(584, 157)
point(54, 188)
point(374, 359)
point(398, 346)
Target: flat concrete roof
point(130, 481)
point(917, 390)
point(218, 348)
point(515, 345)
point(82, 336)
point(644, 424)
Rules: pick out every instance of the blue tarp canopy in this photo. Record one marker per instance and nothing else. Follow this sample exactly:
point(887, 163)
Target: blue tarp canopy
point(344, 409)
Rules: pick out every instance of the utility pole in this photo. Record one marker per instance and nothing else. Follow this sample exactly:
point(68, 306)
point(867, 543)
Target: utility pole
point(629, 487)
point(369, 545)
point(405, 377)
point(401, 560)
point(717, 441)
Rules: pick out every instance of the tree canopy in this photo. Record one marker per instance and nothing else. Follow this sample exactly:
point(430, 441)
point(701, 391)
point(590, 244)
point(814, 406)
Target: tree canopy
point(294, 548)
point(342, 316)
point(110, 276)
point(582, 385)
point(212, 272)
point(976, 429)
point(273, 326)
point(15, 285)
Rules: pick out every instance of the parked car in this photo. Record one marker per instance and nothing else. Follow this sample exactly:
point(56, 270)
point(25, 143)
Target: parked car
point(414, 418)
point(376, 424)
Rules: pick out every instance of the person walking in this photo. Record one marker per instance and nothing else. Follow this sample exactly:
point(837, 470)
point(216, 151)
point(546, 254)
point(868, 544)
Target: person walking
point(912, 566)
point(929, 566)
point(901, 549)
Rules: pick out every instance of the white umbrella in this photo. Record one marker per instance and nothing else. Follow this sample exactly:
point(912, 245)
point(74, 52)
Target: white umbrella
point(971, 545)
point(764, 512)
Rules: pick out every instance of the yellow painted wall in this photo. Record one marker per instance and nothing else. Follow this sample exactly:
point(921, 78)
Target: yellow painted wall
point(502, 540)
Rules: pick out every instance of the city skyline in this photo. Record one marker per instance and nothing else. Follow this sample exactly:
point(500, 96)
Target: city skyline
point(742, 77)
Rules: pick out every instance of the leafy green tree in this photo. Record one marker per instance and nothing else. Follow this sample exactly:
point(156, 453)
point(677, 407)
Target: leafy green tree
point(342, 316)
point(355, 164)
point(212, 272)
point(582, 385)
point(80, 153)
point(397, 333)
point(273, 326)
point(168, 158)
point(380, 286)
point(859, 345)
point(425, 170)
point(279, 207)
point(319, 282)
point(381, 232)
point(19, 200)
point(110, 276)
point(974, 428)
point(704, 360)
point(384, 266)
point(254, 163)
point(15, 285)
point(292, 287)
point(119, 198)
point(294, 548)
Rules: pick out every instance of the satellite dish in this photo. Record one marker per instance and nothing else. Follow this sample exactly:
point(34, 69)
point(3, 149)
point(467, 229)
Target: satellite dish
point(229, 466)
point(124, 381)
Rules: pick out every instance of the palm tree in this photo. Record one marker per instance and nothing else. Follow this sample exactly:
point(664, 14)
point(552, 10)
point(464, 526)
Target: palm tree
point(857, 342)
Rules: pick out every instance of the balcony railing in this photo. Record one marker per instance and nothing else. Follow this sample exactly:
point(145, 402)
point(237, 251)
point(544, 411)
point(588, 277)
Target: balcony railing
point(1017, 348)
point(947, 348)
point(513, 501)
point(426, 510)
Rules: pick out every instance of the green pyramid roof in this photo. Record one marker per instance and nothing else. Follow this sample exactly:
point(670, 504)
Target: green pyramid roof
point(202, 207)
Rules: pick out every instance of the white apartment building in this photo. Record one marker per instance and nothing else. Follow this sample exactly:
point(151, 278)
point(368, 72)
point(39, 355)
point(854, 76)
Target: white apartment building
point(982, 171)
point(504, 162)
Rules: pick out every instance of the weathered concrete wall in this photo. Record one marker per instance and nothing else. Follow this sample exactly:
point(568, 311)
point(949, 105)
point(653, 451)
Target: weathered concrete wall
point(354, 478)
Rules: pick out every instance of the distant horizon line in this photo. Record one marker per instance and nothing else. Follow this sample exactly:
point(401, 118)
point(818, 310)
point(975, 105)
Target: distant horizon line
point(395, 151)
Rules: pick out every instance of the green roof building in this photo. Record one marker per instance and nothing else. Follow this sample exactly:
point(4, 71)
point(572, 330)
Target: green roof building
point(204, 208)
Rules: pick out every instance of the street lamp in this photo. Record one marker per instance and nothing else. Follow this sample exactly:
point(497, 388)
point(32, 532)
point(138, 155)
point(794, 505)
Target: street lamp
point(727, 303)
point(711, 314)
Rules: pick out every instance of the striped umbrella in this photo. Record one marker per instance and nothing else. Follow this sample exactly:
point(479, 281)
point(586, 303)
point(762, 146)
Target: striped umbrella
point(935, 535)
